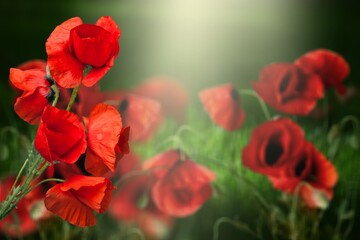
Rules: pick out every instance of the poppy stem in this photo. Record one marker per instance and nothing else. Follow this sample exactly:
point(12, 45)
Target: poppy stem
point(16, 193)
point(47, 180)
point(56, 91)
point(73, 97)
point(263, 106)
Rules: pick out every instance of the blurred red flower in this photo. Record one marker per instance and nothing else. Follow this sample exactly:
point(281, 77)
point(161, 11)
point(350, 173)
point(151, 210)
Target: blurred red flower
point(222, 103)
point(330, 66)
point(36, 93)
point(133, 202)
point(73, 46)
point(144, 115)
point(289, 89)
point(104, 129)
point(181, 186)
point(172, 96)
point(60, 136)
point(76, 199)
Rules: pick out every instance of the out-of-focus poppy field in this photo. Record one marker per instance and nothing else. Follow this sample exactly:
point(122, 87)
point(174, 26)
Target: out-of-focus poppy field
point(174, 120)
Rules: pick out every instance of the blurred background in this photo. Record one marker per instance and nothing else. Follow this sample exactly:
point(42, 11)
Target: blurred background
point(198, 43)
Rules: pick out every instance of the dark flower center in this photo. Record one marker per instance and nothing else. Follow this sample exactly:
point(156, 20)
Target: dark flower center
point(123, 106)
point(273, 152)
point(234, 94)
point(50, 96)
point(285, 82)
point(183, 195)
point(300, 167)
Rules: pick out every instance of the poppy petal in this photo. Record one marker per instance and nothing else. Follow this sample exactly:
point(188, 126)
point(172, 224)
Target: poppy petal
point(28, 80)
point(30, 105)
point(183, 189)
point(222, 103)
point(103, 133)
point(65, 205)
point(64, 68)
point(109, 25)
point(330, 66)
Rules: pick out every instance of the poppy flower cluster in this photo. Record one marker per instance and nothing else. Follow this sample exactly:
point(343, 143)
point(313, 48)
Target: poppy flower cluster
point(291, 88)
point(79, 55)
point(295, 88)
point(278, 150)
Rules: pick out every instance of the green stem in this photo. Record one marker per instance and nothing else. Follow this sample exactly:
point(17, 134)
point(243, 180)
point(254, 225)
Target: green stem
point(73, 97)
point(16, 193)
point(47, 180)
point(57, 93)
point(261, 102)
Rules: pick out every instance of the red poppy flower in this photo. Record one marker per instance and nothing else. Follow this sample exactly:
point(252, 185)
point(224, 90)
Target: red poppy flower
point(36, 93)
point(73, 46)
point(182, 186)
point(60, 136)
point(104, 130)
point(76, 199)
point(287, 88)
point(222, 103)
point(271, 146)
point(330, 66)
point(22, 219)
point(172, 96)
point(142, 114)
point(317, 175)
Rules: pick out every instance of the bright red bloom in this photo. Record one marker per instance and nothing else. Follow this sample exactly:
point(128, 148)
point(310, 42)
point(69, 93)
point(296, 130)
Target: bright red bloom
point(172, 96)
point(76, 199)
point(104, 129)
point(60, 136)
point(330, 66)
point(182, 186)
point(22, 219)
point(222, 103)
point(73, 46)
point(271, 146)
point(36, 93)
point(144, 115)
point(289, 89)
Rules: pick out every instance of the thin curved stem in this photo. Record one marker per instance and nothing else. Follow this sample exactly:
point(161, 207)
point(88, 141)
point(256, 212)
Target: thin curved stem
point(73, 97)
point(263, 106)
point(57, 94)
point(46, 180)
